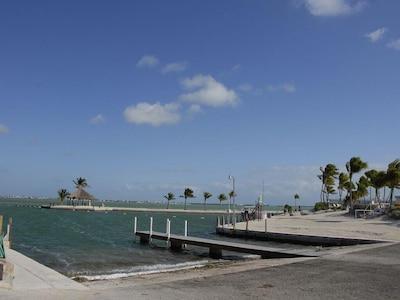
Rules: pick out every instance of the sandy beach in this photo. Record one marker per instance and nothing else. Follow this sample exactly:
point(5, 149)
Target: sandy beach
point(330, 223)
point(351, 272)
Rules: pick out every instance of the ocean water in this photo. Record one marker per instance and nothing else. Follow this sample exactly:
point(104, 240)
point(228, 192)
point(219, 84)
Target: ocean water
point(101, 245)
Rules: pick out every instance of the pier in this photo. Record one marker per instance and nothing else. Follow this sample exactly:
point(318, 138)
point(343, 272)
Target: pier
point(177, 242)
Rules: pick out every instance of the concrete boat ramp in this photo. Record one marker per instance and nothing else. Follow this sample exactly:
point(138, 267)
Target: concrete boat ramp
point(178, 242)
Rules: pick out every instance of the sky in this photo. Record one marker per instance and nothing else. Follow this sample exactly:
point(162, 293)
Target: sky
point(143, 98)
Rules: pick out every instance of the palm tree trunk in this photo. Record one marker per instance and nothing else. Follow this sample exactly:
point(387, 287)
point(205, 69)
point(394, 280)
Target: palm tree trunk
point(391, 197)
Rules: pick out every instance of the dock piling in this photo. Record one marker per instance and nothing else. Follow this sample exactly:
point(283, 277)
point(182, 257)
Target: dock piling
point(168, 232)
point(151, 229)
point(186, 233)
point(265, 226)
point(134, 229)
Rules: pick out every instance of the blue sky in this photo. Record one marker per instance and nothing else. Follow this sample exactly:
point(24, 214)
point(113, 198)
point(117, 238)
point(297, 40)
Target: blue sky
point(143, 98)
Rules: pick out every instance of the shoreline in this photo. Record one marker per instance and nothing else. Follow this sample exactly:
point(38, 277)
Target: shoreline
point(267, 278)
point(133, 209)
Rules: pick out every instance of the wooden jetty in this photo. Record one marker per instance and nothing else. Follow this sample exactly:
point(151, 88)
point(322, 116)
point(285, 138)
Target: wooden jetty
point(177, 242)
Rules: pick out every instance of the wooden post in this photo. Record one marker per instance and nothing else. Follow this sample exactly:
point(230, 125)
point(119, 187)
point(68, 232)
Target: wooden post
point(265, 225)
point(151, 229)
point(1, 224)
point(134, 229)
point(186, 231)
point(168, 232)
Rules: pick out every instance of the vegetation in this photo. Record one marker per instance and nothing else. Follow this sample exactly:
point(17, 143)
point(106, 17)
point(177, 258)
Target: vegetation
point(288, 208)
point(296, 197)
point(353, 166)
point(80, 183)
point(62, 194)
point(343, 184)
point(320, 206)
point(188, 193)
point(357, 191)
point(206, 195)
point(169, 197)
point(328, 176)
point(232, 194)
point(393, 178)
point(222, 197)
point(395, 211)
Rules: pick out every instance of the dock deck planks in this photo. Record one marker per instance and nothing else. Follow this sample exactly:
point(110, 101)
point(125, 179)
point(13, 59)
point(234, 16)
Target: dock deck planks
point(216, 246)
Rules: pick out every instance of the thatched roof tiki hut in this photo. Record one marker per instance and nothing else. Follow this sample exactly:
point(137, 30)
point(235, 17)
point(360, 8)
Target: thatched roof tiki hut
point(82, 195)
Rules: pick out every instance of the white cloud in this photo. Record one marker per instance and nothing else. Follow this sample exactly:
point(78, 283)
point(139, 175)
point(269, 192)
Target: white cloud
point(395, 44)
point(245, 87)
point(148, 61)
point(285, 87)
point(97, 119)
point(4, 129)
point(194, 109)
point(376, 35)
point(153, 114)
point(208, 91)
point(331, 8)
point(174, 67)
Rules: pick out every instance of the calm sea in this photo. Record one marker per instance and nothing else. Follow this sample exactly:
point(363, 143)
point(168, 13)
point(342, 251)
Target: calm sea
point(101, 245)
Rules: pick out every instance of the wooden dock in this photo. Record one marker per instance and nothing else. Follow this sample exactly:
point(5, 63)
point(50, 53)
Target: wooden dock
point(177, 242)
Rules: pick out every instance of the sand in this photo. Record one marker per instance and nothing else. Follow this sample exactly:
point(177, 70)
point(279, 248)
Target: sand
point(330, 223)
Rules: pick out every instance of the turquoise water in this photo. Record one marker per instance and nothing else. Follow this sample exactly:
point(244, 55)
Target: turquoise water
point(100, 245)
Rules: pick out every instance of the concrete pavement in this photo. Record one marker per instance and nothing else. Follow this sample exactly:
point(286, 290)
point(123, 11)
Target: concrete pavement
point(29, 274)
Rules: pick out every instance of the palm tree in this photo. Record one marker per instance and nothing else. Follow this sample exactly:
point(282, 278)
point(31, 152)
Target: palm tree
point(296, 196)
point(231, 195)
point(328, 176)
point(353, 166)
point(329, 190)
point(377, 179)
point(362, 187)
point(206, 195)
point(169, 197)
point(343, 179)
point(222, 197)
point(62, 194)
point(188, 193)
point(393, 178)
point(80, 183)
